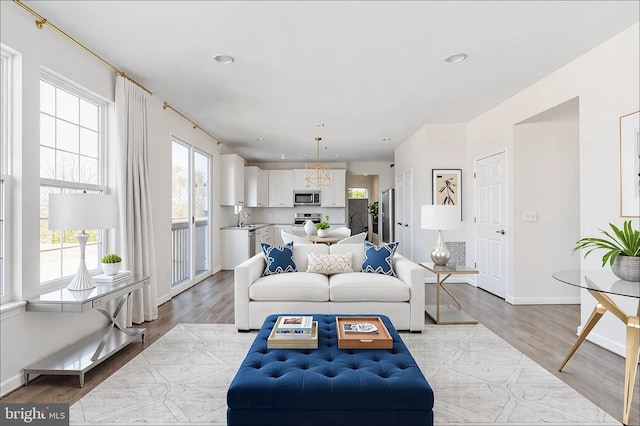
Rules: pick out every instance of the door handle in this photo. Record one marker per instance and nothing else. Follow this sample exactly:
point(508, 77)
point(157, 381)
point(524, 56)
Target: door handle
point(500, 232)
point(406, 225)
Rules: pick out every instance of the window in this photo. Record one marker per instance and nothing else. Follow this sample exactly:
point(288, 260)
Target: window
point(357, 193)
point(5, 111)
point(72, 141)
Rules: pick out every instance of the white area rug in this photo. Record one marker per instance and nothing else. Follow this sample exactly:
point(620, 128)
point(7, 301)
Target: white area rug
point(477, 379)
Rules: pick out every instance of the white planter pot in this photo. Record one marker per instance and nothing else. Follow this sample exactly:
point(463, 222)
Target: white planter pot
point(322, 233)
point(111, 268)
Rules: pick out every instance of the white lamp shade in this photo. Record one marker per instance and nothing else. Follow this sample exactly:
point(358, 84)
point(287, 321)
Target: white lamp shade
point(82, 211)
point(440, 217)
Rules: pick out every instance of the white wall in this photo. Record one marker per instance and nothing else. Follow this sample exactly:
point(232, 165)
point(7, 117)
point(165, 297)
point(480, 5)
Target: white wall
point(547, 182)
point(434, 146)
point(30, 336)
point(606, 82)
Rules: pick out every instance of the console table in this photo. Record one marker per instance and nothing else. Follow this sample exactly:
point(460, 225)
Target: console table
point(82, 356)
point(447, 314)
point(600, 283)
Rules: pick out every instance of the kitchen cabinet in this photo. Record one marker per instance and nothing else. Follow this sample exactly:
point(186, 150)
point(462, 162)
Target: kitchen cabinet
point(236, 247)
point(277, 233)
point(256, 187)
point(299, 182)
point(263, 235)
point(335, 195)
point(280, 188)
point(232, 176)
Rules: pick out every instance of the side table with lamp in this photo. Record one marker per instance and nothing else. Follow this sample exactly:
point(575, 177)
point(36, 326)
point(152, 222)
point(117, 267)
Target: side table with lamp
point(87, 212)
point(441, 218)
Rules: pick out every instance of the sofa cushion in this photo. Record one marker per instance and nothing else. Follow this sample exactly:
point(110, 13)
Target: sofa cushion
point(356, 249)
point(279, 258)
point(301, 251)
point(379, 259)
point(329, 264)
point(354, 287)
point(301, 286)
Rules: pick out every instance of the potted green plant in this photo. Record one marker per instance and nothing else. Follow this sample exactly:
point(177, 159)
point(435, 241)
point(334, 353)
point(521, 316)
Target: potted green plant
point(111, 264)
point(373, 211)
point(323, 227)
point(622, 250)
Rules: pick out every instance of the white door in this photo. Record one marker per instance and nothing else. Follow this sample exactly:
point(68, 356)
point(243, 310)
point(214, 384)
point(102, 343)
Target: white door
point(491, 224)
point(404, 187)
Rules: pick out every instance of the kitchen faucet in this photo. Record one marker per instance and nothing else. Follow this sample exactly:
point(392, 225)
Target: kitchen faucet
point(242, 214)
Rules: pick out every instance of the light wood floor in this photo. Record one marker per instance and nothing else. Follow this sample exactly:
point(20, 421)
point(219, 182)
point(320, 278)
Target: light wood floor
point(544, 333)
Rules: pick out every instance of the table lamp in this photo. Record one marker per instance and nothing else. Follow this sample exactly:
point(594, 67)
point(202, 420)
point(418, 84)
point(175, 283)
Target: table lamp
point(441, 218)
point(82, 211)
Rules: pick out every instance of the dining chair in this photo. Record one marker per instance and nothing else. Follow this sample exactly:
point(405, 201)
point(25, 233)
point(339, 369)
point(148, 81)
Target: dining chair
point(287, 237)
point(342, 231)
point(354, 239)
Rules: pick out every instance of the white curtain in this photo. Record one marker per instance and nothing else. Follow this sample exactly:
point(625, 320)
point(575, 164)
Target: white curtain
point(136, 225)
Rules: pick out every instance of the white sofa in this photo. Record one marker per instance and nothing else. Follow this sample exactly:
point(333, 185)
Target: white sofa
point(402, 299)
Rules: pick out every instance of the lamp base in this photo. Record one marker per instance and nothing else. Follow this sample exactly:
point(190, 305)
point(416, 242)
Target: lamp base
point(82, 280)
point(440, 254)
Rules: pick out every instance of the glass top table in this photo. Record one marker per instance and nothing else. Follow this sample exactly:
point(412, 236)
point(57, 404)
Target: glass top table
point(600, 284)
point(599, 280)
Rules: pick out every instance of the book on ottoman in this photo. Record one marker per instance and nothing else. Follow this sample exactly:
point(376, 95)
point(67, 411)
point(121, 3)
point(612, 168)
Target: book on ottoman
point(294, 325)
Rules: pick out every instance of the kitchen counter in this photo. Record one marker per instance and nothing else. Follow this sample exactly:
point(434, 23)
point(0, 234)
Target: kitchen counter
point(248, 227)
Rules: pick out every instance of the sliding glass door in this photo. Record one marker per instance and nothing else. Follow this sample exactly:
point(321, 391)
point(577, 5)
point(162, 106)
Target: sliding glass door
point(190, 218)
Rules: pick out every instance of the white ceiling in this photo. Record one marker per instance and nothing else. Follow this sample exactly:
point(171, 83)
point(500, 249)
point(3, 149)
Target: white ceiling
point(367, 70)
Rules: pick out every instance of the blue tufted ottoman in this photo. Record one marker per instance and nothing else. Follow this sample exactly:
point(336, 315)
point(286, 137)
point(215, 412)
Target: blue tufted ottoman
point(329, 386)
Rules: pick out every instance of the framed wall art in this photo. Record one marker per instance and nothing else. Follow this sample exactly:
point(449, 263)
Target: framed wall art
point(447, 187)
point(630, 165)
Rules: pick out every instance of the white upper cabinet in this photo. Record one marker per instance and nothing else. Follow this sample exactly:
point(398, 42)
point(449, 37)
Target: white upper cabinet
point(336, 194)
point(299, 182)
point(232, 174)
point(280, 188)
point(256, 187)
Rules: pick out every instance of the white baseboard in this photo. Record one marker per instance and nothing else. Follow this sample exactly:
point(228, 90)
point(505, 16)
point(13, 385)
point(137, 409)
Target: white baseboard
point(11, 384)
point(605, 343)
point(543, 300)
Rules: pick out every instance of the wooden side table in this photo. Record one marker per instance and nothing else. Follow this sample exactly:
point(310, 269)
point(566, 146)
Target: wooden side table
point(447, 314)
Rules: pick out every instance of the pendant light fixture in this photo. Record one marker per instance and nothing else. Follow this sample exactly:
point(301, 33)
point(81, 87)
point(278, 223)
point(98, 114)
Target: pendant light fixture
point(318, 174)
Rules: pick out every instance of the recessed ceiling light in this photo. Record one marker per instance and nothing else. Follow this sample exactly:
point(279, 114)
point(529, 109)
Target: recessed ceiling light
point(306, 155)
point(224, 59)
point(260, 139)
point(337, 155)
point(282, 156)
point(385, 139)
point(456, 57)
point(320, 125)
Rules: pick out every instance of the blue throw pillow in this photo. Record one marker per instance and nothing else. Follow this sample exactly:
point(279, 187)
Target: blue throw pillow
point(379, 259)
point(279, 258)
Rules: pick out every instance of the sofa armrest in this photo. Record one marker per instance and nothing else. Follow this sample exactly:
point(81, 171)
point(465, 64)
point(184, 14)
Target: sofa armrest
point(412, 274)
point(245, 274)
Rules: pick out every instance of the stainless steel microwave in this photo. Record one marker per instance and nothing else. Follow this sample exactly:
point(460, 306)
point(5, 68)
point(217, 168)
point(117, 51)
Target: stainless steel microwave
point(306, 198)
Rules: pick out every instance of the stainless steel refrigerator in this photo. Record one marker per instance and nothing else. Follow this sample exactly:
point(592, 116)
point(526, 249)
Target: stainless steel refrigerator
point(386, 215)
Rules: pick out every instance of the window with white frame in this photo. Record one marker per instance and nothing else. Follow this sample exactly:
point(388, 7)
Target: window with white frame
point(72, 147)
point(5, 111)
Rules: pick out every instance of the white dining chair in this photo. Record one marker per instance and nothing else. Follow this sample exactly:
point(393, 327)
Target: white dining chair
point(343, 231)
point(354, 239)
point(287, 237)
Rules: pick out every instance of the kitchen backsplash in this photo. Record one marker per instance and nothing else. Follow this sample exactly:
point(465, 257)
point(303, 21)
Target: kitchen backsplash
point(285, 215)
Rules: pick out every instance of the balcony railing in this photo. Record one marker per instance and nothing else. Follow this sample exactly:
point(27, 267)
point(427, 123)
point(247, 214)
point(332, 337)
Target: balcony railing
point(181, 249)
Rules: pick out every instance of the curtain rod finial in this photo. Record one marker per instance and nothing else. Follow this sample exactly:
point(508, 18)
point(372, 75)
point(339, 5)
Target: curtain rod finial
point(40, 23)
point(165, 105)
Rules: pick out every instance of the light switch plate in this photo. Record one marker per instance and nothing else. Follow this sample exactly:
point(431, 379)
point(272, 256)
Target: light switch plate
point(530, 216)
